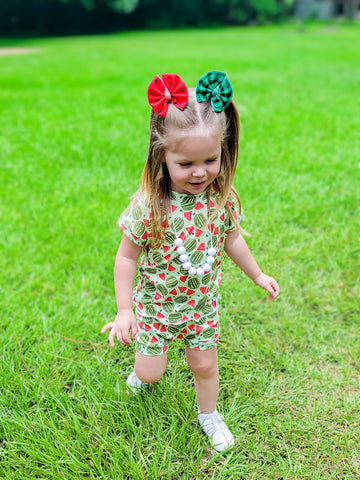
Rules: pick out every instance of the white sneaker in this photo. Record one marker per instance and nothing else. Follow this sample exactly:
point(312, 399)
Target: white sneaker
point(215, 428)
point(135, 384)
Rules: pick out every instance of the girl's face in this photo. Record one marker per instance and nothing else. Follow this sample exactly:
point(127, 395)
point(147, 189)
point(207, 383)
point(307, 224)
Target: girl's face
point(193, 160)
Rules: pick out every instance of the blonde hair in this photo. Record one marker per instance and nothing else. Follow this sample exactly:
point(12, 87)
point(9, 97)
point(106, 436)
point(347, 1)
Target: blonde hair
point(155, 184)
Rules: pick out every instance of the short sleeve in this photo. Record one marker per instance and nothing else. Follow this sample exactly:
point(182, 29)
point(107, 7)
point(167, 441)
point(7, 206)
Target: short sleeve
point(230, 225)
point(134, 221)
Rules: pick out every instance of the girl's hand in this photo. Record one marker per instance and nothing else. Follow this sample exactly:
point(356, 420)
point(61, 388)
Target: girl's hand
point(124, 321)
point(269, 284)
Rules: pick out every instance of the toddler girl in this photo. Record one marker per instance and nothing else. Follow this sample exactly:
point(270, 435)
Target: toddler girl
point(183, 217)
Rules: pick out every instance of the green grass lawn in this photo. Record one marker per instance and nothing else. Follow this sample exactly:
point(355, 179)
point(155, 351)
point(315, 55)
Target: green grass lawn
point(73, 139)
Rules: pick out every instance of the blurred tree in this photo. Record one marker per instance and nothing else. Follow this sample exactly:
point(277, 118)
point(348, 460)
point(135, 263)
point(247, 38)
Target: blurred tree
point(59, 17)
point(245, 11)
point(126, 6)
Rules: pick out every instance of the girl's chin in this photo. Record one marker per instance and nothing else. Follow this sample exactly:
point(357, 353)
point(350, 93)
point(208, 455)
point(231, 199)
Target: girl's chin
point(191, 188)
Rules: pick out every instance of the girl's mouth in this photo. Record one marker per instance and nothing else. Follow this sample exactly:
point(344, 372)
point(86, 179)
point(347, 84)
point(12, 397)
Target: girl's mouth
point(197, 184)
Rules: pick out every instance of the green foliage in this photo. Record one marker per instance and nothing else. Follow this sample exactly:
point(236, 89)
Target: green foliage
point(266, 8)
point(240, 11)
point(54, 17)
point(126, 6)
point(51, 17)
point(73, 139)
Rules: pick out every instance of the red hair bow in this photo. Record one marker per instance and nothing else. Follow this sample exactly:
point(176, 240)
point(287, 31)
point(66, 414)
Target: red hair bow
point(170, 89)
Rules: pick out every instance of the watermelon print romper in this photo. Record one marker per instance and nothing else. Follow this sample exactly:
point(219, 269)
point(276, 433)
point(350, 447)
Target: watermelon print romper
point(169, 302)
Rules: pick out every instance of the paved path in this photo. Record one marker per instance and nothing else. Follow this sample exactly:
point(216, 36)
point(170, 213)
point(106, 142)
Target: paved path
point(17, 51)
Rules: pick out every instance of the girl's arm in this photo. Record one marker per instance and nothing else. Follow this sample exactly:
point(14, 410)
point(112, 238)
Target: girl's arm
point(238, 251)
point(124, 275)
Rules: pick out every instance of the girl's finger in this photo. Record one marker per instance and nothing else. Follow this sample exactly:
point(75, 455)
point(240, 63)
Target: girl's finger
point(275, 290)
point(133, 330)
point(108, 326)
point(119, 338)
point(125, 340)
point(111, 337)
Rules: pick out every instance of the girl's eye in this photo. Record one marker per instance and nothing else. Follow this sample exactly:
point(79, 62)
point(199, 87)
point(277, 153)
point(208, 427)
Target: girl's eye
point(188, 164)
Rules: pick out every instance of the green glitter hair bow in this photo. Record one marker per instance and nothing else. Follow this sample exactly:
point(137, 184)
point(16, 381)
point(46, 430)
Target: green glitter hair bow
point(215, 87)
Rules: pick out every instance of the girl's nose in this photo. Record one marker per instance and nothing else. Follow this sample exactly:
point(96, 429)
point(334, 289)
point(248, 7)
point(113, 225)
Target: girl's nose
point(199, 171)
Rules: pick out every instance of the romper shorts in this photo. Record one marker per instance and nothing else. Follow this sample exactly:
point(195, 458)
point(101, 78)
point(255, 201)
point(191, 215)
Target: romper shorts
point(153, 337)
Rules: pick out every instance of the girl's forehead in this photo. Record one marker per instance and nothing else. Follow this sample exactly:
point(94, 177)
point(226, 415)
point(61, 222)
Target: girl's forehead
point(176, 137)
point(196, 144)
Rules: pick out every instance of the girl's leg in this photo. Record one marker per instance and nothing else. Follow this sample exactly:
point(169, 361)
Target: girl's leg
point(204, 366)
point(149, 369)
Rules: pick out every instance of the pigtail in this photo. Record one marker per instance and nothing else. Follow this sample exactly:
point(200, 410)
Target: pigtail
point(155, 182)
point(229, 158)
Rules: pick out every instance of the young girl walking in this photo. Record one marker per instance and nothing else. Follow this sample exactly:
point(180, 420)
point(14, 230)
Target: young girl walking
point(180, 221)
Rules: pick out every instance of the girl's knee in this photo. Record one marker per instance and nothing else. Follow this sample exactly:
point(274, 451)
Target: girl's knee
point(204, 369)
point(149, 369)
point(148, 377)
point(203, 365)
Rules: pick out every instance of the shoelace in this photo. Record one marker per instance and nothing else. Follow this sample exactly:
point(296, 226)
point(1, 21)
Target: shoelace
point(213, 423)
